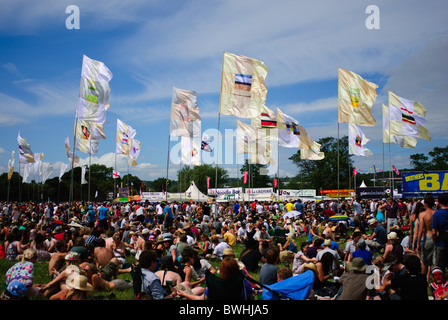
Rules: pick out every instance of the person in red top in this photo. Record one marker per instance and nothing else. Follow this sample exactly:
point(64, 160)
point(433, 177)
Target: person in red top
point(439, 288)
point(58, 233)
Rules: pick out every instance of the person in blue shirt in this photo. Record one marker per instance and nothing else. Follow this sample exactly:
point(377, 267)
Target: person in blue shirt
point(362, 252)
point(439, 227)
point(91, 215)
point(299, 205)
point(102, 212)
point(168, 216)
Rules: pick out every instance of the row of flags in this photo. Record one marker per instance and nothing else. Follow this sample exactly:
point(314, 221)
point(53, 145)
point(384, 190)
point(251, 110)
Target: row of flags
point(403, 120)
point(243, 95)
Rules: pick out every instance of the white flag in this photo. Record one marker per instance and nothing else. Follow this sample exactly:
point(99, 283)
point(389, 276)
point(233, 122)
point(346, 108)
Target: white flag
point(26, 173)
point(190, 151)
point(83, 175)
point(71, 154)
point(25, 153)
point(185, 120)
point(134, 152)
point(357, 140)
point(62, 170)
point(125, 134)
point(94, 91)
point(47, 169)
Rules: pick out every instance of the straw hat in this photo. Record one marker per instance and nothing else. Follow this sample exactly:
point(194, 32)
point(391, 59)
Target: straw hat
point(310, 266)
point(228, 252)
point(79, 282)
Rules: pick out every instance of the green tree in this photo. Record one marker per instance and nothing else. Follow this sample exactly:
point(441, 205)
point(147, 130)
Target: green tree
point(255, 178)
point(199, 175)
point(323, 174)
point(419, 161)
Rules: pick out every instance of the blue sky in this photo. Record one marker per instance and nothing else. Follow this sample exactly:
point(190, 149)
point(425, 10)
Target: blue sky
point(151, 46)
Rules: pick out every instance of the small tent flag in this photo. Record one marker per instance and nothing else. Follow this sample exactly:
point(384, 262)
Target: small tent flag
point(356, 97)
point(243, 89)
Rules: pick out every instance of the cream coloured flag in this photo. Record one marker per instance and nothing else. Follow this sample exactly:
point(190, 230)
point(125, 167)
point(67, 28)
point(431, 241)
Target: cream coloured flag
point(11, 165)
point(243, 89)
point(85, 141)
point(402, 141)
point(407, 118)
point(356, 97)
point(254, 142)
point(94, 91)
point(185, 120)
point(125, 134)
point(190, 151)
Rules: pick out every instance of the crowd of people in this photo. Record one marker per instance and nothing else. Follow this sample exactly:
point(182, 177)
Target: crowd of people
point(355, 249)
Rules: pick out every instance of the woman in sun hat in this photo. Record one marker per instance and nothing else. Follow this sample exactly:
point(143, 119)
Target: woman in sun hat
point(78, 288)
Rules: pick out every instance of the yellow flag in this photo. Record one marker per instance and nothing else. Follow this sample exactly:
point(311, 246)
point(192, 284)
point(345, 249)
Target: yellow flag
point(356, 97)
point(243, 90)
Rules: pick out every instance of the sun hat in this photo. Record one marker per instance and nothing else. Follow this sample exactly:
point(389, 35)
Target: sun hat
point(392, 236)
point(79, 282)
point(72, 256)
point(310, 266)
point(357, 264)
point(372, 221)
point(228, 252)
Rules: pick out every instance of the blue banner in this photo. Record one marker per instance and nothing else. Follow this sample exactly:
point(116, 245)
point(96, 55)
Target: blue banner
point(419, 183)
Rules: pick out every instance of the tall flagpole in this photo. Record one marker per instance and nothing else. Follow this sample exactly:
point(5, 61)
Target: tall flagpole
point(219, 120)
point(167, 168)
point(73, 158)
point(338, 167)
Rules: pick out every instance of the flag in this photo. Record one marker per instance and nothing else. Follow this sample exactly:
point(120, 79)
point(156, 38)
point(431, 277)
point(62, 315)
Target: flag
point(355, 172)
point(185, 120)
point(205, 144)
point(407, 119)
point(83, 175)
point(71, 154)
point(96, 194)
point(288, 130)
point(253, 141)
point(115, 174)
point(37, 161)
point(25, 153)
point(125, 134)
point(266, 120)
point(134, 152)
point(11, 165)
point(94, 91)
point(62, 170)
point(26, 172)
point(208, 182)
point(293, 135)
point(47, 169)
point(356, 97)
point(388, 137)
point(245, 176)
point(86, 136)
point(356, 141)
point(395, 170)
point(190, 151)
point(243, 89)
point(275, 183)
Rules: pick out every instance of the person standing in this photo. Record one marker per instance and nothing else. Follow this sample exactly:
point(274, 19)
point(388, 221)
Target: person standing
point(439, 229)
point(392, 217)
point(102, 213)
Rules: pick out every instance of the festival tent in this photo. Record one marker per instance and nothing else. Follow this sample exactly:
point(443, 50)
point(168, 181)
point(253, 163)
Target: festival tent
point(192, 193)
